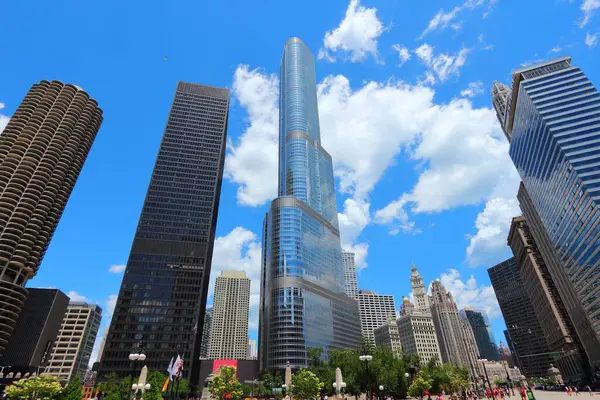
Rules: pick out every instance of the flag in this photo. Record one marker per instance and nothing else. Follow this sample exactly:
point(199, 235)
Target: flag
point(170, 369)
point(178, 366)
point(166, 385)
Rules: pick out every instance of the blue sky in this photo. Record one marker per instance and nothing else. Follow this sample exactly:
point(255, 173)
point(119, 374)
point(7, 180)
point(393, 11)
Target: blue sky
point(421, 164)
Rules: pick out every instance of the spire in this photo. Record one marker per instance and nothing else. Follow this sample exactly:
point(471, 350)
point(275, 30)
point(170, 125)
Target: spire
point(419, 290)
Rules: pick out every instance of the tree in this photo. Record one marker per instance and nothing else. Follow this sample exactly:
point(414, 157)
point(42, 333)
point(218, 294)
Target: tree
point(37, 388)
point(306, 385)
point(72, 391)
point(459, 379)
point(270, 381)
point(113, 388)
point(498, 382)
point(156, 380)
point(419, 385)
point(225, 385)
point(322, 370)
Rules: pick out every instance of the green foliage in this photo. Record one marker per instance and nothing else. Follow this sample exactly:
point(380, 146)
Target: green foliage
point(498, 382)
point(37, 388)
point(305, 385)
point(113, 388)
point(419, 385)
point(72, 391)
point(225, 384)
point(321, 369)
point(271, 380)
point(156, 380)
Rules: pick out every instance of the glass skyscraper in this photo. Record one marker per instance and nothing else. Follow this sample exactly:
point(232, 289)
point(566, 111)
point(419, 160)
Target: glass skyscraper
point(162, 299)
point(482, 330)
point(303, 301)
point(551, 116)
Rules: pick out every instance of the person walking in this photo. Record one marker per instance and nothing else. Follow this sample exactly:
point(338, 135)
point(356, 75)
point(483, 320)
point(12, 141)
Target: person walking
point(523, 394)
point(576, 390)
point(589, 389)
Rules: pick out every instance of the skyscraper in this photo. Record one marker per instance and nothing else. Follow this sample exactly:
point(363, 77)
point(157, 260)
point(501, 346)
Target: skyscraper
point(229, 326)
point(205, 344)
point(455, 348)
point(252, 350)
point(532, 352)
point(42, 151)
point(387, 335)
point(75, 341)
point(375, 310)
point(162, 298)
point(480, 324)
point(550, 310)
point(350, 281)
point(303, 300)
point(548, 116)
point(415, 325)
point(35, 334)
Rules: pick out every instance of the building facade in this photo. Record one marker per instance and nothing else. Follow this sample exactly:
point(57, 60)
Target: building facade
point(387, 335)
point(375, 310)
point(449, 329)
point(42, 151)
point(229, 327)
point(75, 342)
point(505, 354)
point(102, 344)
point(252, 350)
point(480, 324)
point(548, 115)
point(350, 281)
point(531, 349)
point(205, 345)
point(163, 295)
point(550, 310)
point(37, 328)
point(499, 370)
point(303, 300)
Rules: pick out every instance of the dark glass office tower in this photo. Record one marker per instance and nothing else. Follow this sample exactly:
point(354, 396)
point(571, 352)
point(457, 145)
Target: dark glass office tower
point(42, 151)
point(550, 116)
point(526, 335)
point(162, 298)
point(303, 302)
point(480, 323)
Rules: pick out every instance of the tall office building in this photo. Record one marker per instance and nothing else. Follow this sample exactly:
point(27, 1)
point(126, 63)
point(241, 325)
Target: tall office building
point(229, 326)
point(505, 354)
point(102, 344)
point(303, 300)
point(42, 151)
point(480, 324)
point(451, 332)
point(532, 352)
point(162, 298)
point(205, 344)
point(75, 342)
point(388, 335)
point(417, 333)
point(375, 310)
point(419, 290)
point(550, 310)
point(36, 330)
point(350, 281)
point(252, 350)
point(548, 116)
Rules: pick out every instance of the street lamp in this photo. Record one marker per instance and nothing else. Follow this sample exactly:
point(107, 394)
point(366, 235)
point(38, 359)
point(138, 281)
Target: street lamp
point(338, 389)
point(366, 358)
point(483, 361)
point(380, 390)
point(140, 387)
point(137, 355)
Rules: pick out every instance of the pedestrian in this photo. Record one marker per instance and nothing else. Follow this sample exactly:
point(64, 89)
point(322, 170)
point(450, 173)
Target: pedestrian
point(488, 393)
point(495, 393)
point(440, 396)
point(568, 389)
point(576, 391)
point(589, 389)
point(523, 394)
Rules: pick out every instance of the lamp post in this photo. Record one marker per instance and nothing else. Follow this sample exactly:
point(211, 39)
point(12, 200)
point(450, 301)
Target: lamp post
point(136, 355)
point(366, 359)
point(380, 390)
point(483, 361)
point(338, 389)
point(140, 387)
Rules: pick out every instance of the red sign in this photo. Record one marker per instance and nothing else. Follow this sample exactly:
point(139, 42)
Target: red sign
point(217, 364)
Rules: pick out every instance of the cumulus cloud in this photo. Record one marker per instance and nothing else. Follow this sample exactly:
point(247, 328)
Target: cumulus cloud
point(470, 293)
point(355, 217)
point(74, 296)
point(440, 20)
point(355, 37)
point(117, 268)
point(3, 118)
point(403, 53)
point(239, 250)
point(252, 160)
point(589, 8)
point(443, 65)
point(591, 40)
point(473, 89)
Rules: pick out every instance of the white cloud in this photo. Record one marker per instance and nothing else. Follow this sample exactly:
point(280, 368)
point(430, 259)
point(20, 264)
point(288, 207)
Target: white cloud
point(591, 40)
point(74, 296)
point(493, 224)
point(356, 35)
point(352, 221)
point(403, 54)
point(473, 89)
point(443, 65)
point(111, 303)
point(117, 268)
point(588, 7)
point(3, 118)
point(240, 250)
point(469, 293)
point(556, 49)
point(252, 161)
point(457, 26)
point(394, 214)
point(440, 20)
